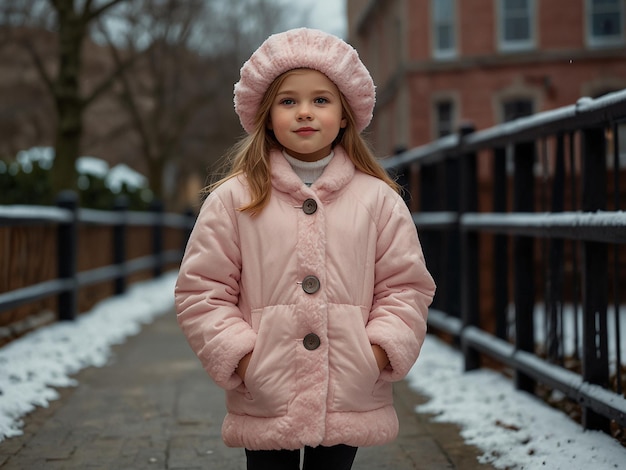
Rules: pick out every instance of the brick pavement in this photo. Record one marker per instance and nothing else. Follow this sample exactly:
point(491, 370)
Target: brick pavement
point(153, 407)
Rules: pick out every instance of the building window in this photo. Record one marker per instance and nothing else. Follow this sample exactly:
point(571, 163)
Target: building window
point(443, 27)
point(516, 26)
point(513, 109)
point(444, 118)
point(605, 22)
point(517, 108)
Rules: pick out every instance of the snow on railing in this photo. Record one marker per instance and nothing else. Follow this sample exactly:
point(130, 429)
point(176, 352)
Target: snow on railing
point(67, 217)
point(570, 252)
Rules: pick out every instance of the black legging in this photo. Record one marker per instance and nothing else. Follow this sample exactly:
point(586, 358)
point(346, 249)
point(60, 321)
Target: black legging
point(339, 457)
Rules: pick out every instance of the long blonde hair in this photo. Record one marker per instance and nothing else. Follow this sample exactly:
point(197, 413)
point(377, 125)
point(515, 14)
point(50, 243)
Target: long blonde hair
point(250, 155)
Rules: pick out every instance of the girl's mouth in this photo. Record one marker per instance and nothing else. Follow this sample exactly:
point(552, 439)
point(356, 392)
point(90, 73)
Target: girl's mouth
point(305, 131)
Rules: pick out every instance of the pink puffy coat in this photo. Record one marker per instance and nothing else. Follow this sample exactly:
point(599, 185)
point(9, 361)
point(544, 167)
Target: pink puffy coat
point(307, 285)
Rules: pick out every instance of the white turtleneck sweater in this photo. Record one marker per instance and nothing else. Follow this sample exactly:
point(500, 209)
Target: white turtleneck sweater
point(308, 171)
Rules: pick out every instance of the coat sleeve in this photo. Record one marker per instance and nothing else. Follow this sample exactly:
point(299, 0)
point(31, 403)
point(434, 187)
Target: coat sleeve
point(207, 294)
point(403, 290)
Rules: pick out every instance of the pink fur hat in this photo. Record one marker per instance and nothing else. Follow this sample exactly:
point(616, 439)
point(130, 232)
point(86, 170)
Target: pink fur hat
point(305, 48)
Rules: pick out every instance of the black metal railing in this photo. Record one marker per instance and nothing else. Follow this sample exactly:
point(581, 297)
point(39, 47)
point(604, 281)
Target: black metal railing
point(522, 229)
point(67, 218)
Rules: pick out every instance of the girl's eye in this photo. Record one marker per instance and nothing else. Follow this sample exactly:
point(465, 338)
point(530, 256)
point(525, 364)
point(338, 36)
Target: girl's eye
point(320, 100)
point(287, 101)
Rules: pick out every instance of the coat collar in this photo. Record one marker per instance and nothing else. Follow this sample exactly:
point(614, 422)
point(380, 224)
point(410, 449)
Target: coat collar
point(336, 176)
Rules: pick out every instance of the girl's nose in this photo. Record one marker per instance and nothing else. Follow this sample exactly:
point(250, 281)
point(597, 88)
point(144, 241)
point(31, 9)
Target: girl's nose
point(304, 113)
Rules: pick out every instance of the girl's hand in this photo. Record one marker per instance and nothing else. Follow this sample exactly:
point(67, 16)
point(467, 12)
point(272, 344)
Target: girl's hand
point(242, 367)
point(381, 357)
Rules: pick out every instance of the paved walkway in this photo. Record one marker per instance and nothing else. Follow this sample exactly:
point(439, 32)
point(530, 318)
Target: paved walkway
point(154, 408)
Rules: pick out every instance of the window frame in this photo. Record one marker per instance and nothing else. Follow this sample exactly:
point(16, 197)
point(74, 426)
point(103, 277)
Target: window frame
point(599, 41)
point(505, 45)
point(517, 100)
point(452, 99)
point(435, 23)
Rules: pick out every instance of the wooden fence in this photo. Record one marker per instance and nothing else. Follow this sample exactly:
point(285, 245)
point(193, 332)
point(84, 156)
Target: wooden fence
point(522, 228)
point(56, 262)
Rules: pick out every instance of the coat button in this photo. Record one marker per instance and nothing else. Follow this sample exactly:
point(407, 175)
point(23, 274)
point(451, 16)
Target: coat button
point(311, 341)
point(309, 206)
point(310, 284)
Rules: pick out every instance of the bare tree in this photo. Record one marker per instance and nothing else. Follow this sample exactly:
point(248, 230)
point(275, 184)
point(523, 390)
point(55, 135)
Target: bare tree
point(170, 70)
point(71, 20)
point(170, 82)
point(179, 93)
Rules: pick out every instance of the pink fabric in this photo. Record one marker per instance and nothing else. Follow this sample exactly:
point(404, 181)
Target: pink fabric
point(239, 290)
point(305, 48)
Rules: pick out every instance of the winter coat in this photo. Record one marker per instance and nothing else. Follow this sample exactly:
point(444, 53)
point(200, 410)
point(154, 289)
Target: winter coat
point(307, 285)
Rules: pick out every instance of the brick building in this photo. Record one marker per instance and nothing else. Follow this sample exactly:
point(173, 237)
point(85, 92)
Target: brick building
point(438, 63)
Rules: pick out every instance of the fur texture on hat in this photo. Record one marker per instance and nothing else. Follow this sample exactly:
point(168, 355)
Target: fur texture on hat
point(305, 48)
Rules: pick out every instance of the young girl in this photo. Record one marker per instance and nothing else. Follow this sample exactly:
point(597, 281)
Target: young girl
point(303, 289)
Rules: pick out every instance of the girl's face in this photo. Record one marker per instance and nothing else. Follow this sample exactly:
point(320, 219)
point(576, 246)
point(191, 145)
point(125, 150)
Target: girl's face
point(306, 114)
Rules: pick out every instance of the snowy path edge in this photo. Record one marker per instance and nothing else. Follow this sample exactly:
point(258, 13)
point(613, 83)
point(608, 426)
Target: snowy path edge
point(33, 365)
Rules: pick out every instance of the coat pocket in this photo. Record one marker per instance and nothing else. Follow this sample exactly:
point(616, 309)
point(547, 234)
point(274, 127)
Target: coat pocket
point(270, 378)
point(355, 383)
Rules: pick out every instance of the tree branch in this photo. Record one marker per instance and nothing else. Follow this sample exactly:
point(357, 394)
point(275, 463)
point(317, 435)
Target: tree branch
point(183, 119)
point(106, 83)
point(91, 15)
point(39, 65)
point(128, 99)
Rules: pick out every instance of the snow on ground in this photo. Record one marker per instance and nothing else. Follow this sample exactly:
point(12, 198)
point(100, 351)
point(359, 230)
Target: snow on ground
point(32, 366)
point(512, 429)
point(515, 429)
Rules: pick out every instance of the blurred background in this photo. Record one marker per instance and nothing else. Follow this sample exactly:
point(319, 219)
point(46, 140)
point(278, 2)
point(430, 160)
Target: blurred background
point(443, 64)
point(144, 87)
point(128, 96)
point(134, 98)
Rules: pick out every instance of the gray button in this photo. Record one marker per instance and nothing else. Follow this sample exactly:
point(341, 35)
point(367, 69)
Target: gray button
point(309, 206)
point(311, 341)
point(310, 284)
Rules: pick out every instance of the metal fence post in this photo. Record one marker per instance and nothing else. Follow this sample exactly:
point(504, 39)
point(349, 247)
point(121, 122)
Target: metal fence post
point(67, 248)
point(524, 258)
point(119, 243)
point(431, 240)
point(555, 275)
point(500, 245)
point(157, 237)
point(450, 251)
point(468, 202)
point(190, 216)
point(595, 365)
point(403, 178)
